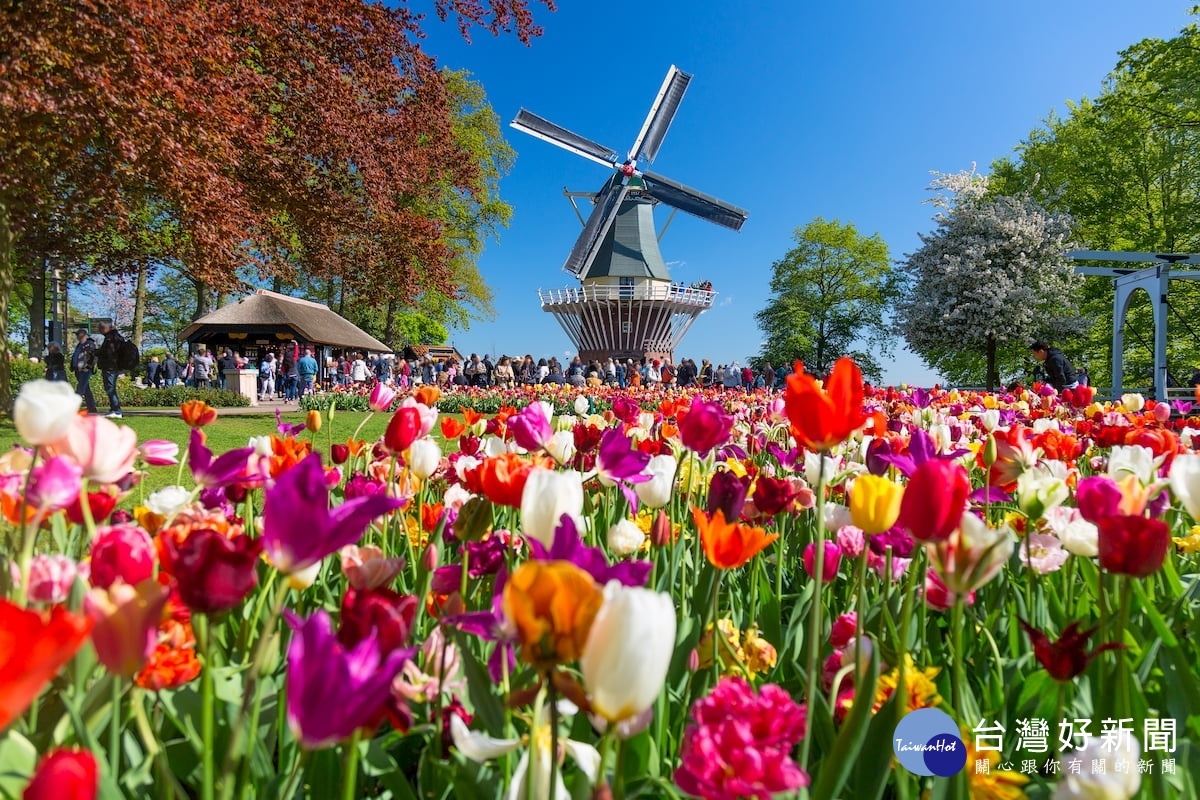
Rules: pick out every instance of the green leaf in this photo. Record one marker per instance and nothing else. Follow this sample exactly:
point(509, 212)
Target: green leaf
point(836, 766)
point(487, 704)
point(18, 758)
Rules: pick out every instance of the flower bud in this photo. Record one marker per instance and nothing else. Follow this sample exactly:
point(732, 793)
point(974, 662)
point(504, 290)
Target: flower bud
point(313, 421)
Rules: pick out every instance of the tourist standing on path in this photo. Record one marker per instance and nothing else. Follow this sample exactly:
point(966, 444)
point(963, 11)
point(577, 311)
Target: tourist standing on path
point(108, 357)
point(56, 365)
point(83, 363)
point(307, 368)
point(202, 369)
point(152, 372)
point(168, 373)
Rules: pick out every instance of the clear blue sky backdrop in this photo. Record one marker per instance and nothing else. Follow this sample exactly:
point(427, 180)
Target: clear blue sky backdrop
point(796, 110)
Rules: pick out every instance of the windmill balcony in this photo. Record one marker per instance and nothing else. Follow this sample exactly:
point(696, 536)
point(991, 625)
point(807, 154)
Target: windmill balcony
point(682, 295)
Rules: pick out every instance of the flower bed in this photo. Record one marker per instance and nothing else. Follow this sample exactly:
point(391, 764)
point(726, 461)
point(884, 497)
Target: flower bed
point(704, 594)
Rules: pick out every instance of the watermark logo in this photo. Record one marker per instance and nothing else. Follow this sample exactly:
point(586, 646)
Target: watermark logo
point(926, 742)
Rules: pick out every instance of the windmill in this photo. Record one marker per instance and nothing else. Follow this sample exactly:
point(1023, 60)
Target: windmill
point(626, 305)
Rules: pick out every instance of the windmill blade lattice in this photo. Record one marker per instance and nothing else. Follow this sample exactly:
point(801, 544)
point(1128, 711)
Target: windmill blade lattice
point(556, 134)
point(693, 202)
point(662, 113)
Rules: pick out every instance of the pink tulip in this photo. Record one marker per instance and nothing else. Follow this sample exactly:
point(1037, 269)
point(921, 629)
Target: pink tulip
point(159, 452)
point(382, 397)
point(368, 568)
point(55, 484)
point(126, 620)
point(124, 552)
point(50, 578)
point(833, 558)
point(106, 451)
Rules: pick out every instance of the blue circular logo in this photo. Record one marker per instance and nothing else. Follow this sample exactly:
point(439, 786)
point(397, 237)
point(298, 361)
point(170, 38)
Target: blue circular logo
point(927, 743)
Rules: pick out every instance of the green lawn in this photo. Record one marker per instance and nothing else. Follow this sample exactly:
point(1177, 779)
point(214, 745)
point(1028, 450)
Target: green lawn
point(227, 433)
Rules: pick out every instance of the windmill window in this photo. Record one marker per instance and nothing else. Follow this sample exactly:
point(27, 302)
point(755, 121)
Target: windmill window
point(626, 287)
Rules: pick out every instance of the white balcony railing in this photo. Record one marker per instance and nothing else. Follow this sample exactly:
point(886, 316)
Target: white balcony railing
point(701, 298)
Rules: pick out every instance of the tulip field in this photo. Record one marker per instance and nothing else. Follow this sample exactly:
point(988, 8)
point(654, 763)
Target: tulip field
point(834, 591)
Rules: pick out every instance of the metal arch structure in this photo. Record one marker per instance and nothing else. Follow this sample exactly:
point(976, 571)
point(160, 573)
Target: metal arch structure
point(1155, 281)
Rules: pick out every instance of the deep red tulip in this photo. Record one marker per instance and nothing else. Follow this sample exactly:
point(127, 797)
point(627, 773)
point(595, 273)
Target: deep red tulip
point(403, 429)
point(1067, 658)
point(822, 416)
point(101, 504)
point(772, 495)
point(1133, 545)
point(388, 613)
point(705, 426)
point(934, 500)
point(214, 573)
point(727, 492)
point(65, 775)
point(339, 453)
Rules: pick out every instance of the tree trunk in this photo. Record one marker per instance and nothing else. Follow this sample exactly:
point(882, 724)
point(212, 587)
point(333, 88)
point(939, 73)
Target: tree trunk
point(139, 306)
point(992, 377)
point(342, 299)
point(203, 301)
point(37, 309)
point(7, 238)
point(389, 325)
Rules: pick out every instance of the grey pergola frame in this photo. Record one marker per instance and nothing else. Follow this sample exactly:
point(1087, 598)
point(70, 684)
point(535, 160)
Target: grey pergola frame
point(1155, 281)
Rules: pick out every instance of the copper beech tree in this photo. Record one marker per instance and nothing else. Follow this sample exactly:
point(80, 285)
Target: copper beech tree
point(314, 129)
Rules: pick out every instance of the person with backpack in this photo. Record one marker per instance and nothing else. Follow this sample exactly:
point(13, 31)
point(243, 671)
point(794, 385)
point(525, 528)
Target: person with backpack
point(111, 357)
point(83, 362)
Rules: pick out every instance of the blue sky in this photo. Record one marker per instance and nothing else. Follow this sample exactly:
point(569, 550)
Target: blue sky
point(796, 110)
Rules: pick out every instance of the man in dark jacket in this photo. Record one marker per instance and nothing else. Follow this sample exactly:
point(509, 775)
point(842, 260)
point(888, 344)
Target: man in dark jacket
point(168, 373)
point(108, 358)
point(1059, 372)
point(83, 363)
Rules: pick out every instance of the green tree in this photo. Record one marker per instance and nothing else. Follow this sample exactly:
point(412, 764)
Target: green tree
point(990, 279)
point(829, 298)
point(1124, 166)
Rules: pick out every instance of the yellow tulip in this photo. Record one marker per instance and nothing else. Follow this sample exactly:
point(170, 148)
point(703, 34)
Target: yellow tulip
point(874, 503)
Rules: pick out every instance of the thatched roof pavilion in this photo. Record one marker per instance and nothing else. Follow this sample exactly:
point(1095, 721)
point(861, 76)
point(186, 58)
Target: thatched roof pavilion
point(267, 320)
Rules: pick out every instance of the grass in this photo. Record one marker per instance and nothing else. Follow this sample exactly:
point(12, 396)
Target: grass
point(227, 433)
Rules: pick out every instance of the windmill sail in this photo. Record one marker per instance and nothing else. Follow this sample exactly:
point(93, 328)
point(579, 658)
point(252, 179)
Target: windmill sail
point(608, 203)
point(649, 140)
point(555, 134)
point(687, 199)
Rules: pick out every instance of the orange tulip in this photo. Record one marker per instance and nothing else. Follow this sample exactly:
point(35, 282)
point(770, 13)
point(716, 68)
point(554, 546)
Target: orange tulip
point(824, 416)
point(452, 428)
point(503, 477)
point(552, 605)
point(197, 413)
point(33, 648)
point(427, 395)
point(726, 545)
point(287, 453)
point(431, 514)
point(471, 416)
point(313, 420)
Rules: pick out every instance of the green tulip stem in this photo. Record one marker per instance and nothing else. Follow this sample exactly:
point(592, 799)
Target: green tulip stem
point(958, 677)
point(357, 430)
point(554, 776)
point(1123, 700)
point(350, 766)
point(860, 606)
point(814, 610)
point(207, 706)
point(297, 771)
point(29, 532)
point(114, 727)
point(619, 772)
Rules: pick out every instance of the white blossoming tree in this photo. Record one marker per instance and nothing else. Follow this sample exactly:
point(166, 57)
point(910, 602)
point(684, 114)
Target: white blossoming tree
point(989, 280)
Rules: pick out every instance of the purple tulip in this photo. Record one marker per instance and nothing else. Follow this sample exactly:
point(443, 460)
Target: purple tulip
point(491, 626)
point(213, 473)
point(567, 546)
point(55, 484)
point(287, 429)
point(921, 448)
point(531, 427)
point(316, 663)
point(617, 460)
point(1182, 407)
point(299, 529)
point(727, 493)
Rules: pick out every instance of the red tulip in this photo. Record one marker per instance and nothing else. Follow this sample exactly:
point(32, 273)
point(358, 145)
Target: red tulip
point(339, 453)
point(934, 500)
point(33, 647)
point(403, 429)
point(824, 416)
point(121, 551)
point(65, 775)
point(1067, 658)
point(389, 614)
point(1133, 545)
point(772, 495)
point(214, 573)
point(705, 426)
point(101, 505)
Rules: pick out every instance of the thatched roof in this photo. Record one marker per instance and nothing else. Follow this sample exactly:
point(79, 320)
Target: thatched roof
point(269, 313)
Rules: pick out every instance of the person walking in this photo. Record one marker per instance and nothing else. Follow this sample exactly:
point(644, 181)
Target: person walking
point(203, 366)
point(56, 365)
point(152, 372)
point(108, 359)
point(168, 373)
point(83, 363)
point(307, 369)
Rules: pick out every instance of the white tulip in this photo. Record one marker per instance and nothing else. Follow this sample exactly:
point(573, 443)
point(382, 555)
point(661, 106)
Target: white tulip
point(1098, 777)
point(547, 496)
point(44, 411)
point(1190, 438)
point(1038, 491)
point(837, 516)
point(455, 496)
point(973, 555)
point(813, 464)
point(656, 492)
point(628, 651)
point(262, 445)
point(1078, 536)
point(562, 446)
point(494, 446)
point(167, 500)
point(424, 457)
point(1133, 402)
point(625, 538)
point(463, 465)
point(581, 405)
point(1136, 460)
point(1185, 482)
